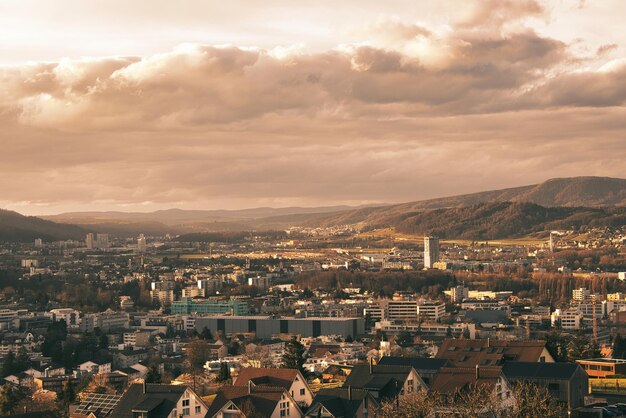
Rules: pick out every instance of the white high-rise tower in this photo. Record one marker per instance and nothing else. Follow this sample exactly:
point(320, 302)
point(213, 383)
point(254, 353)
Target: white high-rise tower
point(431, 251)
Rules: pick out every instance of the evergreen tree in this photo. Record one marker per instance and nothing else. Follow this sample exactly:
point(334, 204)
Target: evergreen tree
point(619, 347)
point(22, 361)
point(104, 342)
point(8, 367)
point(206, 334)
point(580, 347)
point(10, 397)
point(153, 375)
point(68, 395)
point(294, 356)
point(224, 373)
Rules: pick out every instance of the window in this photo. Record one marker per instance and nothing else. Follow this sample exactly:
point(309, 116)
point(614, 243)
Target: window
point(185, 411)
point(302, 392)
point(174, 414)
point(198, 409)
point(185, 402)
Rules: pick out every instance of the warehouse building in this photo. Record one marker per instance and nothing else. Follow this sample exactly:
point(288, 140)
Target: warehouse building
point(269, 326)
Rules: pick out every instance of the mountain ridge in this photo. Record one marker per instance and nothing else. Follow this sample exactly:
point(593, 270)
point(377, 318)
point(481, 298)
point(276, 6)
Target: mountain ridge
point(592, 197)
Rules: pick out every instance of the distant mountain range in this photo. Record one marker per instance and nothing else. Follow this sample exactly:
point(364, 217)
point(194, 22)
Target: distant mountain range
point(554, 204)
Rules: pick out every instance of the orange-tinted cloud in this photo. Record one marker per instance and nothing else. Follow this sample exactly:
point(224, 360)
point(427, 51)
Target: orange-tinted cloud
point(411, 112)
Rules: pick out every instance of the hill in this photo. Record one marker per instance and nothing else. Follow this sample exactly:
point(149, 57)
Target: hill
point(574, 193)
point(505, 220)
point(592, 192)
point(19, 228)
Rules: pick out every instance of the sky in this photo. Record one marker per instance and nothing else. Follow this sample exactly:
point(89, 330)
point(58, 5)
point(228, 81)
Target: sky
point(201, 104)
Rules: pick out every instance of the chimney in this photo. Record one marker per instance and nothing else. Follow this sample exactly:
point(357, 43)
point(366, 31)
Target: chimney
point(250, 384)
point(477, 372)
point(487, 342)
point(144, 386)
point(349, 392)
point(371, 365)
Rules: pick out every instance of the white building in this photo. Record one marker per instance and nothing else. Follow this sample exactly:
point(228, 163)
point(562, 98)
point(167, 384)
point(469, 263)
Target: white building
point(431, 251)
point(581, 295)
point(458, 293)
point(141, 244)
point(406, 310)
point(89, 241)
point(569, 319)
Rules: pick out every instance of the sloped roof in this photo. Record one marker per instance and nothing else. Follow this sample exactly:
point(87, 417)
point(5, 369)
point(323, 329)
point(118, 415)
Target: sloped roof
point(266, 376)
point(262, 398)
point(450, 380)
point(468, 353)
point(341, 403)
point(530, 370)
point(418, 363)
point(382, 378)
point(158, 399)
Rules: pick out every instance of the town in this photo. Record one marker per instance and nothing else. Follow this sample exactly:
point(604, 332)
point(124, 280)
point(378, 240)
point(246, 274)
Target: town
point(315, 322)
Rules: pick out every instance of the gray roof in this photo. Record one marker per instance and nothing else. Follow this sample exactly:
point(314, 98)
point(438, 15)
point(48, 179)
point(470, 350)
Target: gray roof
point(530, 370)
point(337, 403)
point(158, 399)
point(382, 378)
point(418, 363)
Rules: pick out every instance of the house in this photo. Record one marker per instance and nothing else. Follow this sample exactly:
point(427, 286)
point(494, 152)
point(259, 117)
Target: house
point(489, 352)
point(289, 379)
point(53, 383)
point(126, 358)
point(21, 379)
point(92, 367)
point(385, 382)
point(253, 401)
point(336, 373)
point(342, 403)
point(567, 382)
point(427, 368)
point(145, 400)
point(452, 381)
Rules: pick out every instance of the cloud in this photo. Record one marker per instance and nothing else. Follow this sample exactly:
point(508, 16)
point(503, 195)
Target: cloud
point(407, 113)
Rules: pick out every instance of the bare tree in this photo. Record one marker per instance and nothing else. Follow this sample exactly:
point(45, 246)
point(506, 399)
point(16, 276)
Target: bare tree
point(415, 405)
point(532, 401)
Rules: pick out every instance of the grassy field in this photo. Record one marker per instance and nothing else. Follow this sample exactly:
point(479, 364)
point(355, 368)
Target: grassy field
point(391, 233)
point(608, 385)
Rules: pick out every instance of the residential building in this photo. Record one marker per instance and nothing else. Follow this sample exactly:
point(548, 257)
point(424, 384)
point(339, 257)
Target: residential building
point(452, 381)
point(342, 403)
point(488, 352)
point(581, 295)
point(567, 319)
point(289, 379)
point(427, 368)
point(566, 382)
point(250, 400)
point(145, 400)
point(458, 294)
point(429, 329)
point(385, 382)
